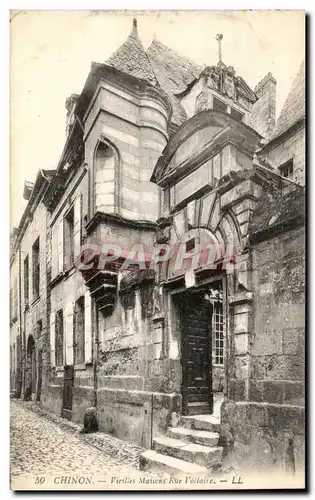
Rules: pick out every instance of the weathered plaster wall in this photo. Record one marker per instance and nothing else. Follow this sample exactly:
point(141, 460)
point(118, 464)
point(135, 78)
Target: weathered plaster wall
point(63, 295)
point(135, 391)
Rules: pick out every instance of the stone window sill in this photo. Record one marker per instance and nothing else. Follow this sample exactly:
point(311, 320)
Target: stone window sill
point(80, 366)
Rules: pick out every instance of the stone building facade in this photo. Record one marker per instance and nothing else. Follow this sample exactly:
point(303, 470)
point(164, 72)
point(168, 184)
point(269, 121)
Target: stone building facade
point(161, 154)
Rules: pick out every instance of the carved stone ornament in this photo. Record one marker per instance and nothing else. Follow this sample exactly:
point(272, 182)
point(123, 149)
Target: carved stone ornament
point(201, 102)
point(228, 83)
point(213, 78)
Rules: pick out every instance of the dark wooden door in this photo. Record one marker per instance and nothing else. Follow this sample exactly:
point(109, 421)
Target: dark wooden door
point(196, 314)
point(68, 378)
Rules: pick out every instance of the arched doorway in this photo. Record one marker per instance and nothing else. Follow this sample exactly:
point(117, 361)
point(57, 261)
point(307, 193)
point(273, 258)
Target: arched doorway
point(31, 366)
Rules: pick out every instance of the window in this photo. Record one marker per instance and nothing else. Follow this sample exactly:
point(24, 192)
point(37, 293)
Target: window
point(128, 301)
point(59, 338)
point(237, 115)
point(166, 201)
point(26, 281)
point(217, 319)
point(219, 105)
point(39, 328)
point(69, 239)
point(36, 269)
point(286, 170)
point(79, 340)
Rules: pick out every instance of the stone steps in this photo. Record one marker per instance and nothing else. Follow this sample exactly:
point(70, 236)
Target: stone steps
point(190, 448)
point(209, 423)
point(194, 436)
point(206, 456)
point(156, 462)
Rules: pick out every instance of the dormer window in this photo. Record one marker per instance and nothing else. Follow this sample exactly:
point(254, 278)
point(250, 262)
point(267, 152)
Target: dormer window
point(286, 170)
point(219, 105)
point(237, 115)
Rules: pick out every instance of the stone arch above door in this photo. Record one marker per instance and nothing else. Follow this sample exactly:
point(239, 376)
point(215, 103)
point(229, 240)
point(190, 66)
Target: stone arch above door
point(204, 221)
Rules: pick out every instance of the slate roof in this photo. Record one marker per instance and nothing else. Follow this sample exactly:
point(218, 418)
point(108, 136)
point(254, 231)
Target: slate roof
point(131, 58)
point(159, 65)
point(174, 73)
point(294, 107)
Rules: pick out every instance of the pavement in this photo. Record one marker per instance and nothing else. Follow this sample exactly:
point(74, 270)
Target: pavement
point(47, 452)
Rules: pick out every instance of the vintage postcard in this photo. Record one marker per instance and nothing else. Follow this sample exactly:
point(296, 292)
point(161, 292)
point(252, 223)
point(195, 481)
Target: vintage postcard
point(157, 294)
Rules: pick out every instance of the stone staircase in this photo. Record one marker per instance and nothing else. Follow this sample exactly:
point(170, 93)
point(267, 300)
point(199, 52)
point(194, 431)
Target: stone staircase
point(190, 448)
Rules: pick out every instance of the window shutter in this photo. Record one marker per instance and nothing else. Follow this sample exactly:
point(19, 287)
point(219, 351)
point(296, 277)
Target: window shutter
point(52, 340)
point(88, 327)
point(77, 225)
point(54, 244)
point(59, 246)
point(69, 334)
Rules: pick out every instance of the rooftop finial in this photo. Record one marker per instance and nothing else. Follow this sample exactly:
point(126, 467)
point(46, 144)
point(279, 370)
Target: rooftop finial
point(219, 38)
point(134, 28)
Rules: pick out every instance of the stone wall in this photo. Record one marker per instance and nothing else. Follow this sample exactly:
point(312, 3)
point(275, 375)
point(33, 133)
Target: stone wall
point(32, 312)
point(264, 426)
point(277, 350)
point(135, 127)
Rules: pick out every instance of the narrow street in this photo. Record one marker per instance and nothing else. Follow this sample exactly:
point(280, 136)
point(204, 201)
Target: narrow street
point(45, 455)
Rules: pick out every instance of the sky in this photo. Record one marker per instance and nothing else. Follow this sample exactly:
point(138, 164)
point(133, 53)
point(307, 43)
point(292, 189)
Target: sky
point(51, 54)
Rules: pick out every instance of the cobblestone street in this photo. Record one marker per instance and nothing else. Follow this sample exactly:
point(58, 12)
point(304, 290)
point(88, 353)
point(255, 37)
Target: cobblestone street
point(42, 448)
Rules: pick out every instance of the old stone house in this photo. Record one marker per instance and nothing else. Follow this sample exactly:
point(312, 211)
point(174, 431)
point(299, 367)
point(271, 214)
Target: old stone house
point(160, 151)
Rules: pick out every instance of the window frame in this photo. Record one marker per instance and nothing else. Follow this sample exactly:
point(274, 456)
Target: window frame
point(79, 335)
point(239, 113)
point(221, 101)
point(218, 334)
point(36, 268)
point(288, 164)
point(26, 281)
point(59, 338)
point(68, 253)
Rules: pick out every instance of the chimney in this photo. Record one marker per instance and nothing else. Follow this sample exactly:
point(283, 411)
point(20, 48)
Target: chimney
point(263, 115)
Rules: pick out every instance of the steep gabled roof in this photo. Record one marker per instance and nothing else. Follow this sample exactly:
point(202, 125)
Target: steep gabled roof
point(131, 58)
point(294, 107)
point(173, 71)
